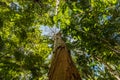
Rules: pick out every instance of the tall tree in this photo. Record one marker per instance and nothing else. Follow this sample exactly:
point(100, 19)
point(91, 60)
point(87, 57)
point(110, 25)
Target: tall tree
point(62, 66)
point(90, 28)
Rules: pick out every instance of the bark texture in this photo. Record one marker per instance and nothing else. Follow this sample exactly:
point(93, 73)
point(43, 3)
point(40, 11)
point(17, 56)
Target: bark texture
point(62, 66)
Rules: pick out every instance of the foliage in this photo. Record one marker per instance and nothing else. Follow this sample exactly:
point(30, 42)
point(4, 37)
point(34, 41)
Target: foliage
point(90, 28)
point(23, 51)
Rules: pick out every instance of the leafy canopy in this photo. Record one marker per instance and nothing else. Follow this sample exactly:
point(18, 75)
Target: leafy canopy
point(90, 29)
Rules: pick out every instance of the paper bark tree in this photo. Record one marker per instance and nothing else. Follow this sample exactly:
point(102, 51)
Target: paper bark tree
point(62, 66)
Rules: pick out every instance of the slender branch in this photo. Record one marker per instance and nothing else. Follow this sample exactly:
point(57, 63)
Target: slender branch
point(57, 4)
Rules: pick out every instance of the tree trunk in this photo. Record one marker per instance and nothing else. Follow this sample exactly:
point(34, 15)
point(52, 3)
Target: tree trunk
point(62, 66)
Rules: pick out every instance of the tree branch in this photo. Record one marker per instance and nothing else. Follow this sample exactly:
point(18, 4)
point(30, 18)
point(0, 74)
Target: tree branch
point(103, 40)
point(109, 68)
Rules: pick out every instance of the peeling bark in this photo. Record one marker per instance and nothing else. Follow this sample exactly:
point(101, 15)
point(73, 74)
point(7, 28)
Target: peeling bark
point(62, 66)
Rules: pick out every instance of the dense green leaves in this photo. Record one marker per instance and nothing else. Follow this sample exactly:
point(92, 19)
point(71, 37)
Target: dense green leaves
point(94, 29)
point(90, 29)
point(23, 50)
